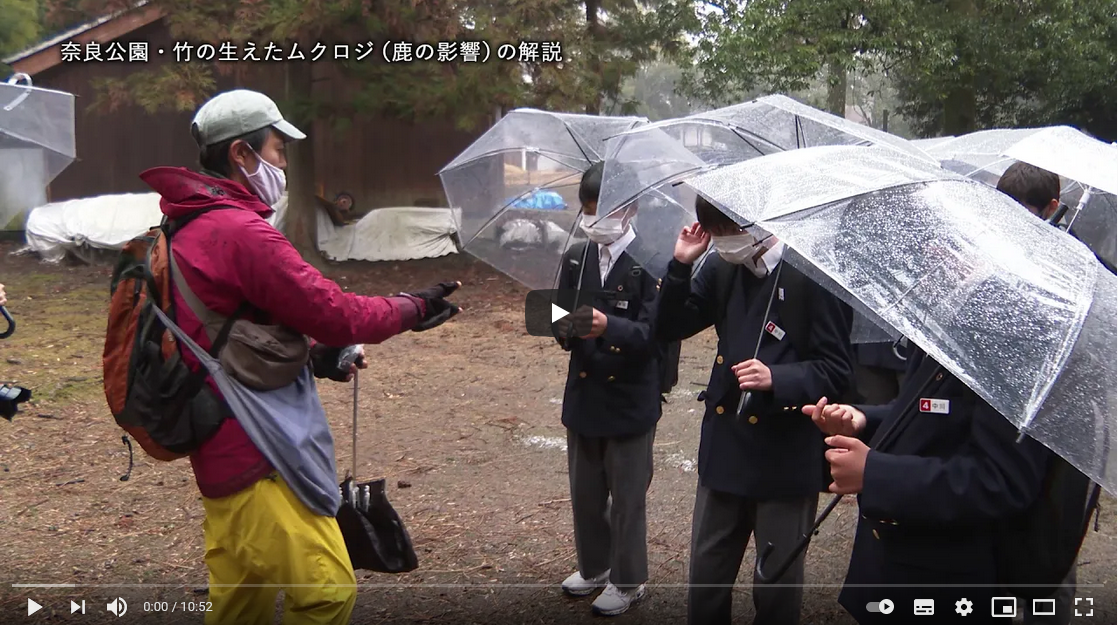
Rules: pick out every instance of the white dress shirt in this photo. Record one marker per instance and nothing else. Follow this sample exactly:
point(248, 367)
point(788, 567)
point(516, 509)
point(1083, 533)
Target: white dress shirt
point(767, 261)
point(608, 254)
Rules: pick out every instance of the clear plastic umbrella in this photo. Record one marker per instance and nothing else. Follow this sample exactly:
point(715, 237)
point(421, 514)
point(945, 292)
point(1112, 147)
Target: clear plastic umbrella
point(36, 144)
point(644, 170)
point(1088, 169)
point(651, 160)
point(516, 188)
point(1018, 310)
point(774, 123)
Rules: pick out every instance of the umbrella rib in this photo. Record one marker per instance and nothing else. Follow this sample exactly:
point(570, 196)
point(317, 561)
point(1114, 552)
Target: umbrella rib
point(505, 207)
point(746, 140)
point(570, 235)
point(655, 185)
point(495, 152)
point(578, 144)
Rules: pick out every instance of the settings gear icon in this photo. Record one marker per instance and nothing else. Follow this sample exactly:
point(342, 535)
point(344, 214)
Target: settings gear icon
point(964, 607)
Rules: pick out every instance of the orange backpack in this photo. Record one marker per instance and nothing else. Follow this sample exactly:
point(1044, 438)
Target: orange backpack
point(152, 393)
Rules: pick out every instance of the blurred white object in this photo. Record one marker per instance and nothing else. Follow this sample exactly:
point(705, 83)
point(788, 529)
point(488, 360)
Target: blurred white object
point(81, 226)
point(401, 233)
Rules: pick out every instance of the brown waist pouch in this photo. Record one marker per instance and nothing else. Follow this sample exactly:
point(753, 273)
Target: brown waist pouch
point(262, 357)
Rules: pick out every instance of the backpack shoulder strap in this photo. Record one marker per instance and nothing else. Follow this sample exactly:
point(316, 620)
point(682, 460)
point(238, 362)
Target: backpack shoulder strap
point(210, 320)
point(217, 326)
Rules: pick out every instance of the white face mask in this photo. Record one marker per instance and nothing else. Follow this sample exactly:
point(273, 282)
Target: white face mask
point(267, 182)
point(740, 249)
point(605, 231)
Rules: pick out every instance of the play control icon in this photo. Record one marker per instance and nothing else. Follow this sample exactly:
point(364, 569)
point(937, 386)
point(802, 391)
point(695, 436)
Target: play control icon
point(33, 607)
point(546, 310)
point(558, 313)
point(885, 606)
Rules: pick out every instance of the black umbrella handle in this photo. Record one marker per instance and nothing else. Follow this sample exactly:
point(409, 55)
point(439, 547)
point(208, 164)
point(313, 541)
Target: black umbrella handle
point(11, 323)
point(766, 551)
point(882, 442)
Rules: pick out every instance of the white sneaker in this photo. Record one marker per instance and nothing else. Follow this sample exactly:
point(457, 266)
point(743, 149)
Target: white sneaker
point(614, 601)
point(578, 586)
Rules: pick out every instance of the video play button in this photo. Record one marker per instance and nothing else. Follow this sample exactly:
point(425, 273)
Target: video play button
point(558, 313)
point(544, 308)
point(32, 607)
point(885, 606)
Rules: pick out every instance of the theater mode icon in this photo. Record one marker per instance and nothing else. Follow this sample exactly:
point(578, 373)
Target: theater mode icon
point(1044, 607)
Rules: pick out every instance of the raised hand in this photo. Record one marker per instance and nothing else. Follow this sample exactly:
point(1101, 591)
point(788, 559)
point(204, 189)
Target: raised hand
point(692, 242)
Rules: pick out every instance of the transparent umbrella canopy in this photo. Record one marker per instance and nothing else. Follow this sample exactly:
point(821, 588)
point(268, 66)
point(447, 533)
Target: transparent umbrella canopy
point(648, 163)
point(515, 189)
point(1088, 169)
point(1020, 311)
point(36, 144)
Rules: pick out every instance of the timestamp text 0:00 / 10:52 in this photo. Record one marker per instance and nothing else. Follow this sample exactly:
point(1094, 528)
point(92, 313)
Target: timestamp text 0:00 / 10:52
point(185, 606)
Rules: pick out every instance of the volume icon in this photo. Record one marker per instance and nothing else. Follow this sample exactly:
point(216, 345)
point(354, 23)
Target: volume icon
point(117, 607)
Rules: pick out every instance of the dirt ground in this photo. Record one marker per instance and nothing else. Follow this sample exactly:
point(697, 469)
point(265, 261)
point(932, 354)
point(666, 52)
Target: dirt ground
point(463, 422)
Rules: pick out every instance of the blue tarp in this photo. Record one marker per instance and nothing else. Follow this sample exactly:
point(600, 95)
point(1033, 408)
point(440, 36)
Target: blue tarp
point(540, 200)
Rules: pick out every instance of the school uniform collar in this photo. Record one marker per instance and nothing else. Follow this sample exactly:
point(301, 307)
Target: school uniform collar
point(768, 260)
point(618, 247)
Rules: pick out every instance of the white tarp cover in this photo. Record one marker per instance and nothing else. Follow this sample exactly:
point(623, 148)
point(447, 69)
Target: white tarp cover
point(107, 222)
point(104, 222)
point(399, 233)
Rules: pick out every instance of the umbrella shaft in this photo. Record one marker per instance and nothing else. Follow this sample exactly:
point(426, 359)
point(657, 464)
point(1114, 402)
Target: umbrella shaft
point(354, 473)
point(746, 397)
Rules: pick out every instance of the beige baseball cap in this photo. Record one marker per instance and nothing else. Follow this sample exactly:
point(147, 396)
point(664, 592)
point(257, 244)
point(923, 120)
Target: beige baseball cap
point(238, 112)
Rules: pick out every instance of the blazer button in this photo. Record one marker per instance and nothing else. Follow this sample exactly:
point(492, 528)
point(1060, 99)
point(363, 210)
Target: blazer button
point(939, 376)
point(719, 360)
point(753, 420)
point(582, 374)
point(620, 288)
point(610, 379)
point(719, 410)
point(876, 535)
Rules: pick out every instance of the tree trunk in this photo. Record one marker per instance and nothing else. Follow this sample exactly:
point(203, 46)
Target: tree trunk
point(960, 114)
point(836, 88)
point(960, 107)
point(594, 30)
point(301, 227)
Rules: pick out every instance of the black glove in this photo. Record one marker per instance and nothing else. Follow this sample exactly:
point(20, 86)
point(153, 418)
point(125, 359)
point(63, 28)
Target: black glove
point(576, 324)
point(437, 309)
point(324, 362)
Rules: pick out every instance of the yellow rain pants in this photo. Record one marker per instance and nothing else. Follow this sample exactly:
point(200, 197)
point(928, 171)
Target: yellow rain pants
point(263, 540)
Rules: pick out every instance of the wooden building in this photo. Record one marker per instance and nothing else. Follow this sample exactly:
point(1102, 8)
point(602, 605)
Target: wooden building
point(380, 162)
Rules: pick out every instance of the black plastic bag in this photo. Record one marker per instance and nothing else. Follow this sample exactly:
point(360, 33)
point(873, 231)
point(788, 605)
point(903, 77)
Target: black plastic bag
point(374, 534)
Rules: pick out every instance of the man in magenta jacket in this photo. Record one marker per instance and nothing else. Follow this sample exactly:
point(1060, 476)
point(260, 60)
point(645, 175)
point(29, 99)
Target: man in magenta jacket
point(257, 532)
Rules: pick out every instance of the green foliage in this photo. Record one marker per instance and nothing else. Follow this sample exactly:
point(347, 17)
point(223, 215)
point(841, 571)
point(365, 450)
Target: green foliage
point(654, 92)
point(1028, 62)
point(598, 56)
point(19, 25)
point(778, 45)
point(956, 65)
